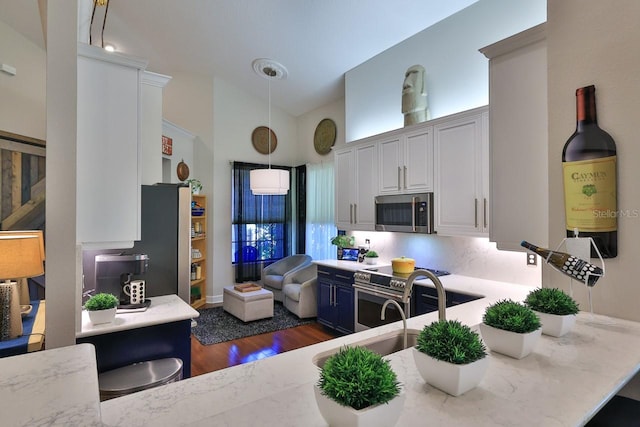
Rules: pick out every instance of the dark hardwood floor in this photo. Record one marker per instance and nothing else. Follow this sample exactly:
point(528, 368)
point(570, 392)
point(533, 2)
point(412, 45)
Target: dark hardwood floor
point(209, 358)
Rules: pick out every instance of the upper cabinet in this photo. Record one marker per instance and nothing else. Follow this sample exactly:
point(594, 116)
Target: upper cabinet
point(108, 149)
point(518, 129)
point(406, 161)
point(461, 175)
point(356, 186)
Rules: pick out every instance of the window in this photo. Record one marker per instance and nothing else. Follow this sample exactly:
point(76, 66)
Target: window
point(261, 225)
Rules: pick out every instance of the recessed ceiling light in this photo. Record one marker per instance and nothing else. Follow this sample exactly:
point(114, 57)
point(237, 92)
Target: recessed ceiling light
point(109, 48)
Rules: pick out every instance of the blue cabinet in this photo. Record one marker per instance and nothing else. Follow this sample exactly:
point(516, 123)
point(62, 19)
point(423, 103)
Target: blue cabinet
point(336, 299)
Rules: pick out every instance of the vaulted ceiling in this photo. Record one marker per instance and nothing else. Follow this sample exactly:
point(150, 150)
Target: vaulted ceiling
point(317, 41)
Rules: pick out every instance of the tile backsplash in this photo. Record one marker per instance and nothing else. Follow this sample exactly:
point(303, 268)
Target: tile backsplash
point(468, 256)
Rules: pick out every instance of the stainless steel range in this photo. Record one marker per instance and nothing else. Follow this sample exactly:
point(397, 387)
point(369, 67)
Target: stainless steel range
point(373, 286)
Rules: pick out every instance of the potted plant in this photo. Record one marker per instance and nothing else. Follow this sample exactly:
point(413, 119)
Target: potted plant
point(556, 310)
point(371, 257)
point(195, 185)
point(342, 241)
point(510, 328)
point(450, 356)
point(357, 387)
point(101, 308)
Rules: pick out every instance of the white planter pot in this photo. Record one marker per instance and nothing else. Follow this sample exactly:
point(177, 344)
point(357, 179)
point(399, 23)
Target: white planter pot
point(449, 377)
point(555, 325)
point(370, 260)
point(509, 343)
point(102, 316)
point(383, 415)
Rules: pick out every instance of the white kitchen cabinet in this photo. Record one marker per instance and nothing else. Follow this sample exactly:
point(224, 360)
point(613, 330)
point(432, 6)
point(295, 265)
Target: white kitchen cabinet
point(518, 129)
point(355, 186)
point(461, 196)
point(406, 161)
point(108, 149)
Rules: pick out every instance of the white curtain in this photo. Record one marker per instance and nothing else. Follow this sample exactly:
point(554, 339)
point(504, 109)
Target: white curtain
point(320, 207)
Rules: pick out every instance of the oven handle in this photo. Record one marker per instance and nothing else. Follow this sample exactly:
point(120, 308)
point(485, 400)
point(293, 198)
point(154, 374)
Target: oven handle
point(377, 292)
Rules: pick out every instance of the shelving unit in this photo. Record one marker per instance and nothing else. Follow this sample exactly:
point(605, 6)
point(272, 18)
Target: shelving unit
point(199, 243)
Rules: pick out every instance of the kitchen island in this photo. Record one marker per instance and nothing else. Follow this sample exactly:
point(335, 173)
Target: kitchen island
point(162, 330)
point(564, 382)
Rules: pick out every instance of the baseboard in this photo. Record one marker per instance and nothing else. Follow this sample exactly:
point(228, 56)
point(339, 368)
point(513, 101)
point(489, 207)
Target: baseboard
point(214, 299)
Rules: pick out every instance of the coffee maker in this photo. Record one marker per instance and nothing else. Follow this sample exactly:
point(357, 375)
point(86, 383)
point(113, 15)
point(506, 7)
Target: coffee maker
point(114, 272)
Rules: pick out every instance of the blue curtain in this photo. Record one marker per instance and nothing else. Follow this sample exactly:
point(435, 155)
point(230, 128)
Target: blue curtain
point(261, 225)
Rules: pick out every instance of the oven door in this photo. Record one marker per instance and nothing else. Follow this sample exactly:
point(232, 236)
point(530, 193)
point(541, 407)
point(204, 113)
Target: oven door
point(368, 308)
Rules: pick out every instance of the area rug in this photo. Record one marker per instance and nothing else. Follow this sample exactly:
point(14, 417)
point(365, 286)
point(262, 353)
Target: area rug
point(216, 325)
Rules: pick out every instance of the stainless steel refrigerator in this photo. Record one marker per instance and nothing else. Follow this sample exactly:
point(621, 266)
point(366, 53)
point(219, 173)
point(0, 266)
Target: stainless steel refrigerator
point(166, 239)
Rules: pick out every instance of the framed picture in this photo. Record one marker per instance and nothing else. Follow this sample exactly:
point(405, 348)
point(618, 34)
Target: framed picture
point(22, 182)
point(167, 145)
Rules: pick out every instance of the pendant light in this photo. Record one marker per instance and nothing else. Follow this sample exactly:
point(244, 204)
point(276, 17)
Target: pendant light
point(269, 181)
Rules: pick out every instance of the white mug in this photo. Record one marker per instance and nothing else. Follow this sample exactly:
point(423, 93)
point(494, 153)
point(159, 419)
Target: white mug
point(135, 291)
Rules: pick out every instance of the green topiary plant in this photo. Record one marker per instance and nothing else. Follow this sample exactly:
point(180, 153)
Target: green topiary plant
point(359, 378)
point(101, 302)
point(371, 254)
point(551, 301)
point(451, 341)
point(511, 316)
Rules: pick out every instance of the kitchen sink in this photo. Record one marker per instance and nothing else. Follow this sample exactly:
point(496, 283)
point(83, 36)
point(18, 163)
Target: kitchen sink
point(384, 345)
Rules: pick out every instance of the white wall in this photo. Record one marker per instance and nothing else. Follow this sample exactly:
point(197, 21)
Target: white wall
point(183, 144)
point(457, 75)
point(236, 115)
point(23, 107)
point(592, 42)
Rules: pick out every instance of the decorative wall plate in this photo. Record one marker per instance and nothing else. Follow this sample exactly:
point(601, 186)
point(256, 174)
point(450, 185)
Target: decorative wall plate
point(182, 170)
point(325, 136)
point(260, 140)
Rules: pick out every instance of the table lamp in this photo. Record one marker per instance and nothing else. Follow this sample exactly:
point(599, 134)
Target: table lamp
point(21, 256)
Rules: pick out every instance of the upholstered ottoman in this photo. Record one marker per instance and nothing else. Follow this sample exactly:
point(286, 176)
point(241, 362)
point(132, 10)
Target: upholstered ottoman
point(248, 306)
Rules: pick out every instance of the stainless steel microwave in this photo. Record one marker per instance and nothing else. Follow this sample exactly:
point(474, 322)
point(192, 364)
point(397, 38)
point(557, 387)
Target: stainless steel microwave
point(410, 213)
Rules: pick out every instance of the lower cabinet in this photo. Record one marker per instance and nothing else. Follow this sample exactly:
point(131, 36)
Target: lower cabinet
point(336, 299)
point(122, 348)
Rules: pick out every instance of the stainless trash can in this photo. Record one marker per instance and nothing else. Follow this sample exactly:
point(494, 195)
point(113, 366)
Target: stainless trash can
point(139, 376)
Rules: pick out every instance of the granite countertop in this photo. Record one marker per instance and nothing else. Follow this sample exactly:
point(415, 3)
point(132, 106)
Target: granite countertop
point(50, 388)
point(562, 383)
point(163, 309)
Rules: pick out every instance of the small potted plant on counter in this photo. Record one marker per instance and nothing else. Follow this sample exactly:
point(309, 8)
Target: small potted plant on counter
point(101, 308)
point(510, 328)
point(450, 356)
point(357, 387)
point(371, 257)
point(343, 241)
point(556, 310)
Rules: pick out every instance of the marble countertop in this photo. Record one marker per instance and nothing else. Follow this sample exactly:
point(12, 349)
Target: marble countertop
point(50, 388)
point(562, 383)
point(163, 309)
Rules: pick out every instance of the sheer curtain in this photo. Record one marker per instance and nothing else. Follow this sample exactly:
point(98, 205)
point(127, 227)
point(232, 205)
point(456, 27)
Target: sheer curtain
point(320, 207)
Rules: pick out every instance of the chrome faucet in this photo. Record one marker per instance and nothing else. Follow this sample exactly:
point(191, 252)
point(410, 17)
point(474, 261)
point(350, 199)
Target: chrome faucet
point(404, 318)
point(439, 289)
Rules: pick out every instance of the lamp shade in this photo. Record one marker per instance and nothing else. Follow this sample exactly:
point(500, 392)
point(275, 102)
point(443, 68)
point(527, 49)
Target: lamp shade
point(21, 254)
point(269, 181)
